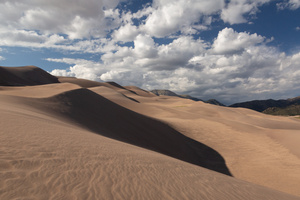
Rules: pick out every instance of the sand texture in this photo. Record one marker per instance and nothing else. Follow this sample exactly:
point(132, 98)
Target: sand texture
point(69, 138)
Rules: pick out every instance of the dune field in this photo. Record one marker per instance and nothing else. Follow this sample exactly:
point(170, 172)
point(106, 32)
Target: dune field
point(69, 138)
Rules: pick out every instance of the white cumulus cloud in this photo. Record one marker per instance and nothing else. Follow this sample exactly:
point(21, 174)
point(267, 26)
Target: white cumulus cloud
point(172, 16)
point(238, 66)
point(235, 10)
point(126, 33)
point(159, 46)
point(230, 41)
point(75, 18)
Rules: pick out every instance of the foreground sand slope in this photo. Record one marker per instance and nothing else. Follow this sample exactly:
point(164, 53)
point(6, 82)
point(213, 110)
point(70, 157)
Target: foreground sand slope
point(47, 152)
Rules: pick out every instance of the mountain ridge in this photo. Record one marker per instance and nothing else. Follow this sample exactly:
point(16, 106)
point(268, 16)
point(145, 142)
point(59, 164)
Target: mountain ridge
point(160, 92)
point(290, 106)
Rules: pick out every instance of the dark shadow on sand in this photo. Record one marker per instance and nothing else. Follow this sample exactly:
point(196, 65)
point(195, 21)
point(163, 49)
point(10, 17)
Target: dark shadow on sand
point(108, 119)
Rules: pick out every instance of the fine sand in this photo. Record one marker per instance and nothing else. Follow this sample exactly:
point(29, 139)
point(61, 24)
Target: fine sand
point(81, 139)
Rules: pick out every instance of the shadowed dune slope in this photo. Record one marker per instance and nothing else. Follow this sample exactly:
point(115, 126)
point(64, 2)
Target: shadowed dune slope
point(28, 75)
point(94, 112)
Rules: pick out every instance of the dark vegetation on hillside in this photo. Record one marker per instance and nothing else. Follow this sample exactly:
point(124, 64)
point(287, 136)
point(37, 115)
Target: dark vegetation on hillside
point(273, 107)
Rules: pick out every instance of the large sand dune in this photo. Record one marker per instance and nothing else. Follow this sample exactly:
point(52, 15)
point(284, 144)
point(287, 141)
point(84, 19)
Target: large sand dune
point(87, 140)
point(28, 75)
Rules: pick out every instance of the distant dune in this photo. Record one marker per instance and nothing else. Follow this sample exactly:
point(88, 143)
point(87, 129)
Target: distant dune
point(68, 138)
point(22, 76)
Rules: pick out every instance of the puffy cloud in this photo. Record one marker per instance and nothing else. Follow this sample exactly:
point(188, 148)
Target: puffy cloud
point(172, 16)
point(144, 47)
point(77, 19)
point(176, 54)
point(20, 35)
point(126, 33)
point(192, 66)
point(230, 41)
point(83, 25)
point(61, 72)
point(254, 74)
point(235, 65)
point(28, 38)
point(59, 24)
point(235, 10)
point(81, 68)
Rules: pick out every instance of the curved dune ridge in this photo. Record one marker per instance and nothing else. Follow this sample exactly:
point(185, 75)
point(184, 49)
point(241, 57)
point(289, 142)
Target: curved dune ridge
point(99, 115)
point(22, 76)
point(81, 139)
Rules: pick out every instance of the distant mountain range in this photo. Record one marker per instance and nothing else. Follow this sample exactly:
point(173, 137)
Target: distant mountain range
point(170, 93)
point(274, 107)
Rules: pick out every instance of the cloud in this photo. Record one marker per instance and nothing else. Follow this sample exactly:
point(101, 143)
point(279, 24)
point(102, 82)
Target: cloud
point(257, 73)
point(235, 66)
point(138, 64)
point(2, 58)
point(144, 47)
point(126, 33)
point(249, 69)
point(76, 19)
point(65, 25)
point(172, 16)
point(80, 68)
point(97, 26)
point(235, 10)
point(176, 54)
point(289, 4)
point(231, 42)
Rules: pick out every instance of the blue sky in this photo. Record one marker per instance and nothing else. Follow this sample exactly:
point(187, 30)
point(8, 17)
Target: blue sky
point(231, 50)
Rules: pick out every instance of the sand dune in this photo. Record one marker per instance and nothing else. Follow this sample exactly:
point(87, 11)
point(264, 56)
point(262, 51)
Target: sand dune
point(81, 139)
point(44, 158)
point(99, 115)
point(89, 84)
point(27, 75)
point(81, 82)
point(42, 91)
point(140, 92)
